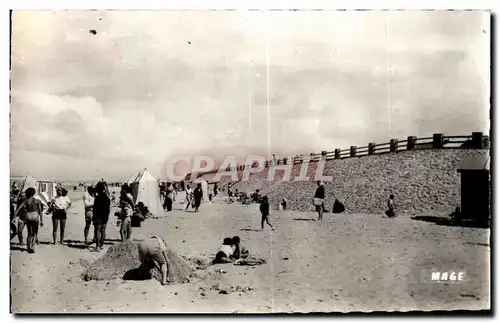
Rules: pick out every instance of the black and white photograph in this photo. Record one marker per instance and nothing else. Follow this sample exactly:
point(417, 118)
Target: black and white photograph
point(250, 161)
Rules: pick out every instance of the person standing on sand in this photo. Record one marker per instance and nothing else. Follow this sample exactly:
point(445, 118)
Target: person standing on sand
point(169, 197)
point(189, 196)
point(127, 210)
point(319, 200)
point(101, 210)
point(264, 210)
point(61, 203)
point(153, 253)
point(88, 204)
point(34, 211)
point(198, 196)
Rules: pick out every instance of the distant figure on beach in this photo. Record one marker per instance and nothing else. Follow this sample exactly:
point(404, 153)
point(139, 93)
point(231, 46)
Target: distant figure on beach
point(34, 211)
point(390, 205)
point(210, 197)
point(225, 253)
point(113, 198)
point(256, 196)
point(127, 209)
point(61, 203)
point(88, 206)
point(284, 204)
point(264, 210)
point(216, 189)
point(338, 207)
point(198, 196)
point(240, 251)
point(189, 197)
point(100, 215)
point(169, 197)
point(152, 253)
point(319, 200)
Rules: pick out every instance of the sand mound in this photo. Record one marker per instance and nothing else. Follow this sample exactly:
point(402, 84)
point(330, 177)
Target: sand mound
point(122, 261)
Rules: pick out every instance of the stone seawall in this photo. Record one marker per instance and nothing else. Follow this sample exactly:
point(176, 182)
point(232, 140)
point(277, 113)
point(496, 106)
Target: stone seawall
point(422, 181)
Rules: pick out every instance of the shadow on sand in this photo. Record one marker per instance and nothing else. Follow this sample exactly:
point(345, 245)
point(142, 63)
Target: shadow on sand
point(249, 229)
point(137, 274)
point(17, 248)
point(447, 221)
point(301, 219)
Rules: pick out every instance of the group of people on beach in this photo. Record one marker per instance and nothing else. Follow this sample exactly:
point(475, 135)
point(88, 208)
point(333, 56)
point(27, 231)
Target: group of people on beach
point(28, 211)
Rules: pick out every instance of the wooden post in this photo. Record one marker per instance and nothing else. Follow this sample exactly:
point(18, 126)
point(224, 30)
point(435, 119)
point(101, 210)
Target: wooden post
point(393, 145)
point(477, 140)
point(337, 153)
point(371, 148)
point(437, 141)
point(353, 151)
point(285, 160)
point(412, 140)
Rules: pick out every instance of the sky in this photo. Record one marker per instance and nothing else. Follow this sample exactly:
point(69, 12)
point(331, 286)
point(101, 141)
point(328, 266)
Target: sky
point(152, 85)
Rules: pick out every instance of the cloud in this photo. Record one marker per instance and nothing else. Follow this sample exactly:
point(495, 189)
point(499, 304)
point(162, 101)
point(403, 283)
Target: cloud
point(152, 85)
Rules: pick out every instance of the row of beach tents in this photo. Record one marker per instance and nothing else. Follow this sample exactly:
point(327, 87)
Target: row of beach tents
point(146, 189)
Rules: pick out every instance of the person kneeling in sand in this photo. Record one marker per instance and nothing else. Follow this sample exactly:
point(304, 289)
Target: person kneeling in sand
point(153, 253)
point(225, 254)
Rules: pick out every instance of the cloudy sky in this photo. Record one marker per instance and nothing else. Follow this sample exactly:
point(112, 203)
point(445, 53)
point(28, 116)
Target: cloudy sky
point(155, 84)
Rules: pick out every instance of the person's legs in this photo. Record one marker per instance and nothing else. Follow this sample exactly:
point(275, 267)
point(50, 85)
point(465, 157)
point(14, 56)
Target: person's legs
point(63, 226)
point(34, 231)
point(123, 230)
point(20, 228)
point(103, 233)
point(269, 223)
point(55, 223)
point(319, 209)
point(88, 221)
point(97, 234)
point(264, 218)
point(128, 228)
point(29, 240)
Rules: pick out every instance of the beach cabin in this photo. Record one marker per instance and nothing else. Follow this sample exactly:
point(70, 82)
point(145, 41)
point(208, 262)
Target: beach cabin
point(475, 187)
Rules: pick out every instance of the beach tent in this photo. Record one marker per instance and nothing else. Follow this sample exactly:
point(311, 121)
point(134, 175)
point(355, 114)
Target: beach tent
point(44, 192)
point(204, 187)
point(145, 189)
point(132, 179)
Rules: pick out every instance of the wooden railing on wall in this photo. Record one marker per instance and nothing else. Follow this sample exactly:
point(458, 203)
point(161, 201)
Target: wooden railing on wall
point(438, 141)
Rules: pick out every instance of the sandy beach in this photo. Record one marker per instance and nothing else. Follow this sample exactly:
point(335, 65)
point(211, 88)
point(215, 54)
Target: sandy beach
point(350, 262)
